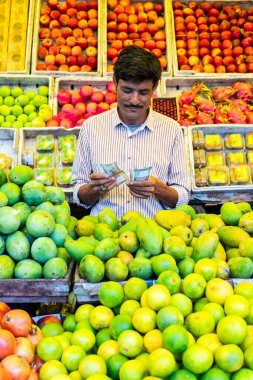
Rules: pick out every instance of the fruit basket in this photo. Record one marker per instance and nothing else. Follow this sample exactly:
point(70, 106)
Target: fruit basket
point(39, 290)
point(43, 150)
point(212, 38)
point(16, 41)
point(219, 163)
point(51, 50)
point(140, 23)
point(9, 139)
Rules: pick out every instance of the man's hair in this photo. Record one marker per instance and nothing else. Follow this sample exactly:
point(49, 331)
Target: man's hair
point(137, 64)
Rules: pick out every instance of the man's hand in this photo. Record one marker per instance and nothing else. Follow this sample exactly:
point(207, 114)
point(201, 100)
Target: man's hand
point(142, 189)
point(102, 182)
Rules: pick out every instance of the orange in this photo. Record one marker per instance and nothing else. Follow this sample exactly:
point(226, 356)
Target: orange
point(162, 263)
point(85, 324)
point(144, 319)
point(51, 368)
point(83, 312)
point(132, 369)
point(229, 358)
point(152, 340)
point(200, 323)
point(130, 343)
point(237, 305)
point(215, 374)
point(125, 257)
point(248, 339)
point(161, 363)
point(115, 269)
point(171, 280)
point(200, 303)
point(75, 375)
point(71, 357)
point(231, 329)
point(84, 338)
point(197, 359)
point(102, 336)
point(108, 349)
point(70, 323)
point(186, 266)
point(92, 364)
point(193, 285)
point(244, 289)
point(182, 302)
point(216, 311)
point(157, 297)
point(217, 290)
point(211, 341)
point(100, 317)
point(49, 349)
point(207, 268)
point(168, 316)
point(175, 339)
point(248, 356)
point(134, 287)
point(249, 318)
point(114, 363)
point(242, 374)
point(120, 323)
point(52, 329)
point(111, 294)
point(128, 307)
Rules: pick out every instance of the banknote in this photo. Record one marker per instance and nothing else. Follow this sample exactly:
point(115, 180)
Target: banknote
point(140, 174)
point(112, 169)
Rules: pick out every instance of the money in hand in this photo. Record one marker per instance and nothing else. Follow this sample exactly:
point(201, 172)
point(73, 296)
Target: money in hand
point(112, 169)
point(141, 174)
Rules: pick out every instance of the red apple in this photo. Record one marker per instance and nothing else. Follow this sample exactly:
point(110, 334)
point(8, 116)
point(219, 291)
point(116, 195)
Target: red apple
point(82, 24)
point(44, 33)
point(55, 14)
point(81, 107)
point(65, 50)
point(97, 97)
point(204, 51)
point(238, 50)
point(42, 52)
point(81, 60)
point(226, 35)
point(91, 107)
point(220, 69)
point(82, 42)
point(207, 59)
point(64, 19)
point(45, 10)
point(227, 44)
point(86, 91)
point(52, 4)
point(54, 49)
point(86, 68)
point(83, 15)
point(87, 32)
point(81, 6)
point(41, 67)
point(47, 42)
point(92, 62)
point(54, 24)
point(72, 12)
point(64, 67)
point(73, 23)
point(71, 60)
point(45, 20)
point(62, 7)
point(228, 60)
point(217, 61)
point(66, 32)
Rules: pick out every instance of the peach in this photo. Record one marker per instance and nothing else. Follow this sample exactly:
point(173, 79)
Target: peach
point(47, 42)
point(145, 36)
point(91, 51)
point(42, 52)
point(92, 41)
point(150, 44)
point(93, 13)
point(81, 6)
point(117, 44)
point(97, 97)
point(161, 45)
point(122, 36)
point(80, 106)
point(122, 17)
point(112, 52)
point(192, 43)
point(91, 107)
point(158, 7)
point(163, 62)
point(54, 49)
point(148, 6)
point(157, 52)
point(193, 60)
point(45, 20)
point(217, 61)
point(127, 43)
point(142, 17)
point(112, 3)
point(55, 33)
point(77, 32)
point(44, 33)
point(129, 9)
point(152, 16)
point(139, 43)
point(62, 7)
point(142, 27)
point(50, 59)
point(125, 3)
point(87, 32)
point(181, 51)
point(209, 68)
point(71, 60)
point(92, 62)
point(132, 19)
point(81, 60)
point(72, 12)
point(193, 51)
point(76, 51)
point(102, 107)
point(111, 36)
point(123, 27)
point(41, 67)
point(74, 69)
point(71, 41)
point(153, 29)
point(134, 36)
point(220, 69)
point(60, 41)
point(82, 24)
point(93, 23)
point(83, 15)
point(65, 50)
point(64, 19)
point(207, 59)
point(66, 32)
point(45, 10)
point(133, 28)
point(160, 36)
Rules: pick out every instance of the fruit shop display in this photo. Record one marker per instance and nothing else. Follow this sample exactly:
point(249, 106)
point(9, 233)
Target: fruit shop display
point(23, 106)
point(135, 23)
point(68, 36)
point(213, 37)
point(35, 221)
point(220, 105)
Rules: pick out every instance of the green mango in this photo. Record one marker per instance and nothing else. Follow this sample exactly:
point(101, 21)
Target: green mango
point(220, 252)
point(231, 236)
point(84, 228)
point(246, 222)
point(232, 252)
point(78, 249)
point(71, 227)
point(106, 249)
point(165, 232)
point(128, 241)
point(143, 253)
point(92, 269)
point(129, 215)
point(185, 233)
point(198, 226)
point(102, 231)
point(64, 207)
point(244, 207)
point(240, 267)
point(176, 247)
point(214, 221)
point(130, 226)
point(246, 248)
point(89, 240)
point(171, 218)
point(150, 236)
point(205, 246)
point(91, 218)
point(230, 213)
point(188, 210)
point(109, 217)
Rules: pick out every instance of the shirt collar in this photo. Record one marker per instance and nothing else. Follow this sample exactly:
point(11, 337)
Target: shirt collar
point(149, 123)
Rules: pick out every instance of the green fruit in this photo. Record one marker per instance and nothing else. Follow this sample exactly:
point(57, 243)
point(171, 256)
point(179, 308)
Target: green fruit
point(9, 101)
point(17, 110)
point(231, 236)
point(43, 90)
point(16, 91)
point(163, 262)
point(2, 245)
point(62, 218)
point(128, 241)
point(115, 269)
point(129, 215)
point(23, 118)
point(28, 269)
point(43, 249)
point(10, 118)
point(102, 231)
point(78, 249)
point(55, 268)
point(3, 177)
point(29, 108)
point(18, 246)
point(186, 266)
point(5, 110)
point(38, 100)
point(22, 100)
point(171, 218)
point(108, 217)
point(64, 207)
point(33, 193)
point(240, 267)
point(84, 228)
point(246, 222)
point(3, 199)
point(62, 253)
point(106, 249)
point(24, 211)
point(182, 232)
point(37, 122)
point(150, 236)
point(176, 247)
point(45, 114)
point(20, 174)
point(12, 191)
point(7, 266)
point(9, 220)
point(48, 207)
point(140, 267)
point(92, 269)
point(6, 124)
point(244, 207)
point(188, 210)
point(32, 116)
point(198, 226)
point(205, 245)
point(230, 213)
point(31, 94)
point(5, 91)
point(59, 235)
point(40, 224)
point(55, 195)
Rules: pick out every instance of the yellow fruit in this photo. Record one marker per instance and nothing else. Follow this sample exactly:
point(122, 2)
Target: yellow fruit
point(222, 268)
point(207, 268)
point(169, 315)
point(144, 319)
point(98, 376)
point(125, 257)
point(215, 310)
point(83, 312)
point(161, 363)
point(134, 287)
point(92, 364)
point(144, 358)
point(182, 302)
point(211, 341)
point(197, 359)
point(237, 305)
point(84, 338)
point(128, 307)
point(152, 340)
point(175, 339)
point(100, 317)
point(217, 290)
point(157, 297)
point(111, 294)
point(193, 285)
point(130, 343)
point(108, 349)
point(132, 369)
point(248, 339)
point(200, 323)
point(244, 289)
point(229, 358)
point(120, 322)
point(231, 329)
point(248, 356)
point(143, 299)
point(191, 340)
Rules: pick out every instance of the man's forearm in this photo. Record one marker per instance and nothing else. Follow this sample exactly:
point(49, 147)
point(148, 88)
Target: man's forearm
point(167, 195)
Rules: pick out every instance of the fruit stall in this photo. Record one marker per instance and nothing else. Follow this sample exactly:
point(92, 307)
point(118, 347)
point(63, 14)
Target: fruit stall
point(94, 297)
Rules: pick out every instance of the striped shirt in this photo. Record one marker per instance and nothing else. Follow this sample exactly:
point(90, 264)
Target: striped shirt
point(157, 143)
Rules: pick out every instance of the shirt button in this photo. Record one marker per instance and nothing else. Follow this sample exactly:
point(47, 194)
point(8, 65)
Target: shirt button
point(128, 201)
point(129, 158)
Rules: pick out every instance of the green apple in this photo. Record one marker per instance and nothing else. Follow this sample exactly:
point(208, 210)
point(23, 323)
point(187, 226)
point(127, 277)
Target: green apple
point(10, 118)
point(2, 119)
point(29, 108)
point(39, 100)
point(16, 91)
point(5, 110)
point(23, 118)
point(17, 110)
point(9, 101)
point(17, 124)
point(6, 124)
point(22, 100)
point(28, 124)
point(31, 94)
point(5, 91)
point(32, 116)
point(45, 114)
point(38, 122)
point(43, 90)
point(46, 106)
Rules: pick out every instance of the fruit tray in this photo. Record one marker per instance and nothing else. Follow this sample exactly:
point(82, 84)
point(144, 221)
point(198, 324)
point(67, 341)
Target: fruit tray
point(9, 139)
point(41, 149)
point(166, 106)
point(222, 180)
point(165, 53)
point(51, 67)
point(39, 290)
point(16, 41)
point(219, 58)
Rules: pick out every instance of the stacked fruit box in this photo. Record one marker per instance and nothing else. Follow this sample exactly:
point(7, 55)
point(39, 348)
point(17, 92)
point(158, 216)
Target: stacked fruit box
point(17, 26)
point(212, 38)
point(142, 23)
point(64, 40)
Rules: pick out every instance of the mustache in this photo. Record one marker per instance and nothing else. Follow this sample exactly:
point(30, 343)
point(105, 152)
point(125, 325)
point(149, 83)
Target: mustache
point(133, 106)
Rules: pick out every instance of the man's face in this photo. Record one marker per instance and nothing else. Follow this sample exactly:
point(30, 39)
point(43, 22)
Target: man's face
point(133, 100)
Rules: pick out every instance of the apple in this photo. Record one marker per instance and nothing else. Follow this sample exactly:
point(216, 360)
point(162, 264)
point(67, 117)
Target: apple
point(181, 51)
point(54, 24)
point(60, 41)
point(86, 91)
point(163, 62)
point(157, 52)
point(123, 36)
point(52, 68)
point(44, 33)
point(81, 107)
point(77, 32)
point(66, 32)
point(91, 107)
point(217, 61)
point(87, 32)
point(226, 35)
point(42, 52)
point(110, 87)
point(97, 96)
point(45, 20)
point(81, 6)
point(76, 51)
point(220, 69)
point(81, 60)
point(245, 42)
point(231, 68)
point(53, 5)
point(71, 60)
point(82, 24)
point(74, 69)
point(72, 12)
point(132, 19)
point(215, 52)
point(67, 124)
point(63, 97)
point(112, 52)
point(129, 9)
point(56, 33)
point(216, 44)
point(54, 49)
point(123, 27)
point(227, 52)
point(158, 7)
point(82, 42)
point(193, 51)
point(65, 50)
point(83, 15)
point(93, 23)
point(47, 42)
point(204, 43)
point(193, 60)
point(209, 68)
point(92, 62)
point(62, 7)
point(238, 50)
point(228, 60)
point(248, 50)
point(64, 67)
point(249, 67)
point(122, 17)
point(45, 10)
point(86, 68)
point(226, 44)
point(241, 68)
point(73, 23)
point(41, 66)
point(91, 51)
point(207, 60)
point(199, 12)
point(101, 107)
point(71, 41)
point(203, 51)
point(182, 60)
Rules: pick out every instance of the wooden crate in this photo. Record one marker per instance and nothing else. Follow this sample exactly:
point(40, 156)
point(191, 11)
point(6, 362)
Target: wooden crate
point(40, 290)
point(36, 45)
point(167, 29)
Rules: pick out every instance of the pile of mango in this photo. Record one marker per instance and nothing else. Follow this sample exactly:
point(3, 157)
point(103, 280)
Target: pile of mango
point(174, 240)
point(35, 221)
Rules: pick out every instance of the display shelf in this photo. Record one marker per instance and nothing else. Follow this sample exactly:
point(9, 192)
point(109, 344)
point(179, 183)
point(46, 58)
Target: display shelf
point(9, 140)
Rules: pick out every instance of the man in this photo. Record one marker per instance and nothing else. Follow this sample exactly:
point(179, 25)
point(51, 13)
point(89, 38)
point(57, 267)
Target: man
point(133, 136)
